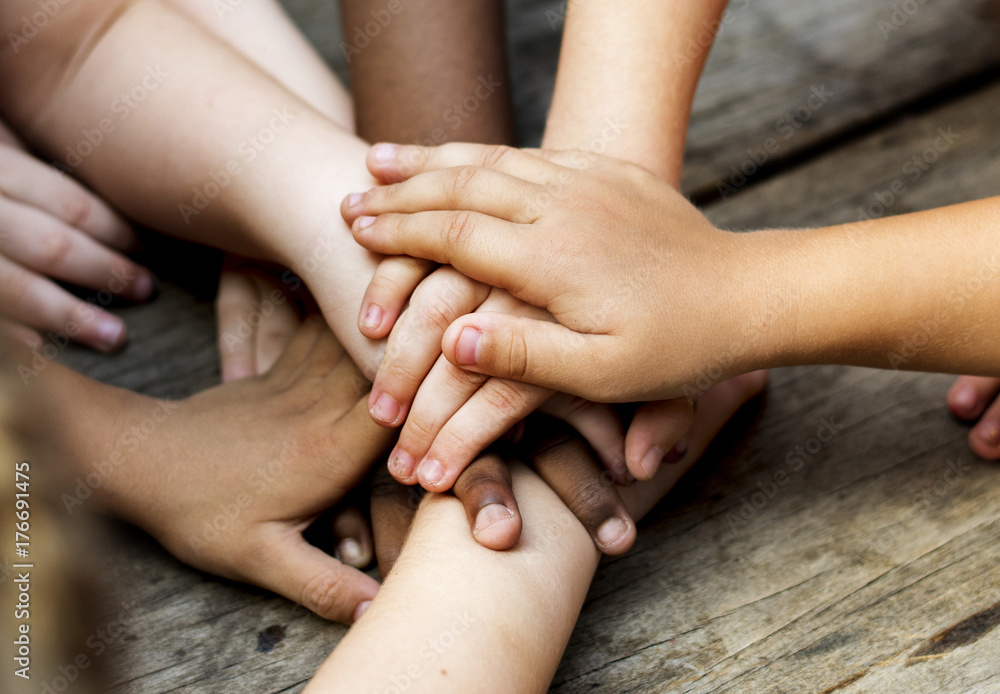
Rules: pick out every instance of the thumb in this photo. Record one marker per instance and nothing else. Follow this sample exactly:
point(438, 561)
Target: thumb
point(524, 349)
point(292, 568)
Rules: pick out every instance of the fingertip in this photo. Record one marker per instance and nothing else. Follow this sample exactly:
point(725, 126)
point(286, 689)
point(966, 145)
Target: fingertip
point(381, 159)
point(144, 287)
point(372, 322)
point(615, 536)
point(467, 346)
point(109, 334)
point(360, 610)
point(649, 465)
point(497, 527)
point(401, 466)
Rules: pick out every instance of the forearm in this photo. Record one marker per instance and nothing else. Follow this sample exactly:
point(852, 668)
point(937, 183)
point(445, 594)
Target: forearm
point(915, 292)
point(433, 72)
point(213, 151)
point(263, 33)
point(627, 78)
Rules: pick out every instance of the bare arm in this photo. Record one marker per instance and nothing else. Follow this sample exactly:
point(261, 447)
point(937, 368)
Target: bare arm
point(627, 77)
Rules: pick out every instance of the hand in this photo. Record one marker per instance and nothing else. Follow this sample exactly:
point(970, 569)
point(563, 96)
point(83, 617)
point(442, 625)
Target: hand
point(975, 398)
point(231, 477)
point(603, 245)
point(452, 415)
point(51, 227)
point(259, 308)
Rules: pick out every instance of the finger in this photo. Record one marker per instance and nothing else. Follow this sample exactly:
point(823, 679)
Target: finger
point(278, 322)
point(491, 411)
point(985, 436)
point(534, 351)
point(49, 246)
point(353, 536)
point(486, 491)
point(396, 278)
point(440, 396)
point(32, 300)
point(971, 395)
point(392, 163)
point(461, 188)
point(565, 462)
point(657, 429)
point(415, 343)
point(393, 507)
point(237, 344)
point(22, 334)
point(484, 248)
point(29, 181)
point(291, 567)
point(599, 424)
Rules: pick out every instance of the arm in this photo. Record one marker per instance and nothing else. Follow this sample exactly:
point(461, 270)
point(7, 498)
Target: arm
point(627, 77)
point(843, 295)
point(197, 142)
point(495, 609)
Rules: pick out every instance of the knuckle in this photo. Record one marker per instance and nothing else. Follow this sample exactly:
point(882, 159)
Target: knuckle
point(463, 183)
point(508, 398)
point(322, 594)
point(418, 430)
point(75, 208)
point(439, 313)
point(457, 227)
point(15, 286)
point(494, 157)
point(591, 501)
point(55, 248)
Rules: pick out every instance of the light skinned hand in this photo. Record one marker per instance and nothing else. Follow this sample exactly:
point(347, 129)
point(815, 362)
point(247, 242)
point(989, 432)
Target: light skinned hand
point(643, 287)
point(52, 228)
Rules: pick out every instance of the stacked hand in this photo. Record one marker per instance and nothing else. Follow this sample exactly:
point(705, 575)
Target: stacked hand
point(51, 228)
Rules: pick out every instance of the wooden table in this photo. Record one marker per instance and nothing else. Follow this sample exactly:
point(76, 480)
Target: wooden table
point(873, 567)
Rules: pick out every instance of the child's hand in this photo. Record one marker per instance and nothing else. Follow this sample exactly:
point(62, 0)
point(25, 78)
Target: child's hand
point(451, 415)
point(605, 246)
point(974, 398)
point(231, 477)
point(51, 227)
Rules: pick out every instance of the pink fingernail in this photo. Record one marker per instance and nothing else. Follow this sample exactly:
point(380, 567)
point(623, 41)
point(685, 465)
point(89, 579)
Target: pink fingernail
point(373, 317)
point(401, 464)
point(965, 399)
point(384, 153)
point(386, 409)
point(354, 199)
point(361, 609)
point(109, 331)
point(488, 515)
point(430, 472)
point(467, 349)
point(651, 461)
point(611, 532)
point(364, 222)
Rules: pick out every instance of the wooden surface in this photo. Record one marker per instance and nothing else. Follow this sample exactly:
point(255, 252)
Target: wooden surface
point(873, 568)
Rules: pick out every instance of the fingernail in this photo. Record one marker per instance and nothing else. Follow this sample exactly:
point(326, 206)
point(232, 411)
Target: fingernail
point(681, 448)
point(989, 433)
point(364, 222)
point(651, 461)
point(354, 199)
point(373, 317)
point(488, 515)
point(430, 472)
point(401, 464)
point(466, 352)
point(109, 331)
point(361, 609)
point(144, 286)
point(612, 531)
point(349, 551)
point(965, 399)
point(384, 153)
point(386, 409)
